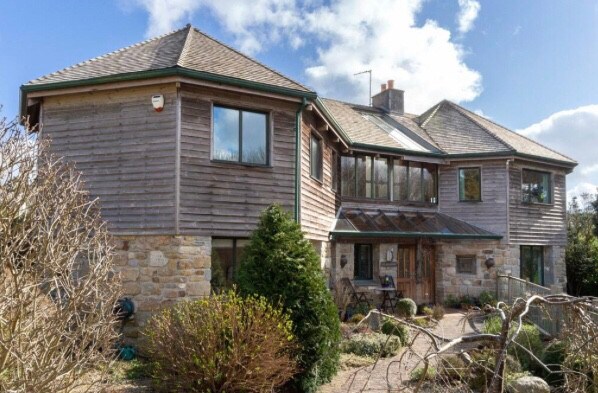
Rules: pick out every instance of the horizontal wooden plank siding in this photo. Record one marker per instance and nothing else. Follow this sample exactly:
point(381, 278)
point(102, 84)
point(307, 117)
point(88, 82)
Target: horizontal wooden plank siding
point(226, 199)
point(538, 224)
point(125, 151)
point(489, 214)
point(318, 200)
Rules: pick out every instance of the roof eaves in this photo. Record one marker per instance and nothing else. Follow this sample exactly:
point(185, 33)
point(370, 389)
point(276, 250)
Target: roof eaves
point(322, 107)
point(438, 235)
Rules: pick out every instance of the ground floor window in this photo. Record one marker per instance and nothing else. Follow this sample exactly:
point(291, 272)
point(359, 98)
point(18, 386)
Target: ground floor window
point(226, 255)
point(363, 262)
point(532, 264)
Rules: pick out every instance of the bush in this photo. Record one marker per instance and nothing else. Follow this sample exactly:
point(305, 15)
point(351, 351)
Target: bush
point(427, 311)
point(554, 355)
point(451, 301)
point(438, 312)
point(406, 308)
point(482, 368)
point(281, 265)
point(418, 374)
point(487, 298)
point(356, 318)
point(221, 343)
point(453, 368)
point(396, 329)
point(372, 344)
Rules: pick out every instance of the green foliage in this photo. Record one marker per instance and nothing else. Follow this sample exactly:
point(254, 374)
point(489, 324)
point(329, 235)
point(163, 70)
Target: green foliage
point(224, 342)
point(581, 255)
point(482, 368)
point(422, 322)
point(529, 337)
point(393, 328)
point(281, 265)
point(372, 344)
point(406, 308)
point(427, 311)
point(487, 297)
point(356, 318)
point(453, 368)
point(418, 374)
point(452, 301)
point(438, 312)
point(554, 355)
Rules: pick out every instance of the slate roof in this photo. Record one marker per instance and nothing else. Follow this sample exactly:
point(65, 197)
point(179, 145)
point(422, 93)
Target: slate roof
point(358, 222)
point(446, 129)
point(187, 48)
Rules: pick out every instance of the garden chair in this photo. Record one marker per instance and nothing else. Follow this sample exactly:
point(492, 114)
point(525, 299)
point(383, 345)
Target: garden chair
point(396, 294)
point(357, 297)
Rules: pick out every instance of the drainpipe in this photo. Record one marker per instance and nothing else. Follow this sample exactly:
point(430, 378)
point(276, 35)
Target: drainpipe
point(298, 159)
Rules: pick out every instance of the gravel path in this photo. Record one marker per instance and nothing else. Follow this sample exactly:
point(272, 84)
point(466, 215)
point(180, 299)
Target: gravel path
point(392, 374)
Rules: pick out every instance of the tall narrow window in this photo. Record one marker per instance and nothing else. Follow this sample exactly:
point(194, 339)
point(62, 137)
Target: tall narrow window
point(400, 185)
point(535, 186)
point(381, 178)
point(430, 179)
point(415, 182)
point(240, 136)
point(315, 157)
point(361, 169)
point(363, 269)
point(470, 184)
point(334, 172)
point(348, 176)
point(532, 264)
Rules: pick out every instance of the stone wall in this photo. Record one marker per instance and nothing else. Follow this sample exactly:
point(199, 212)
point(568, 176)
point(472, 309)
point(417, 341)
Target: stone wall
point(158, 271)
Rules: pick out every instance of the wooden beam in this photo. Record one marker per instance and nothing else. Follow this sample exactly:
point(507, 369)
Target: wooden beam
point(323, 128)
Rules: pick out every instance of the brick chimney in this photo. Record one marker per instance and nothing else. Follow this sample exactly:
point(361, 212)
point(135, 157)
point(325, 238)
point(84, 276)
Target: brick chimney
point(390, 99)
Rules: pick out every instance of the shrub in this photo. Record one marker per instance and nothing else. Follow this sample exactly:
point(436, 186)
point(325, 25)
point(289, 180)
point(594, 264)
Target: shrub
point(483, 365)
point(427, 311)
point(466, 301)
point(487, 298)
point(438, 312)
point(406, 308)
point(221, 343)
point(372, 344)
point(396, 329)
point(418, 374)
point(453, 368)
point(356, 318)
point(492, 325)
point(451, 301)
point(554, 355)
point(423, 322)
point(281, 265)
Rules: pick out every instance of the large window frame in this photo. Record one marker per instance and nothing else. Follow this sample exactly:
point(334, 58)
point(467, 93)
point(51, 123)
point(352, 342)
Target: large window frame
point(419, 169)
point(536, 195)
point(316, 157)
point(528, 257)
point(363, 271)
point(461, 185)
point(240, 159)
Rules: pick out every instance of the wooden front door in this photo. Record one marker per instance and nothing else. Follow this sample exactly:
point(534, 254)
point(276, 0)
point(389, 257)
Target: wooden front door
point(406, 270)
point(415, 276)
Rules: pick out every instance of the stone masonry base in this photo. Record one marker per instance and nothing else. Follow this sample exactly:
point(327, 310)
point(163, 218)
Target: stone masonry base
point(158, 271)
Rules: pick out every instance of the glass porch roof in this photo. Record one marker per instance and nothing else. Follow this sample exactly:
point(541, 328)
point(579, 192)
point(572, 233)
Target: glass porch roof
point(358, 222)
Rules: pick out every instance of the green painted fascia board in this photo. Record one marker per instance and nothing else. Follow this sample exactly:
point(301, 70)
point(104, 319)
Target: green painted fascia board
point(164, 72)
point(398, 150)
point(511, 153)
point(353, 234)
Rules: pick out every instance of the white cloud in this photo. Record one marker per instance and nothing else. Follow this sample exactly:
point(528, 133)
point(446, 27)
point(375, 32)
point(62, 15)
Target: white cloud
point(468, 13)
point(574, 133)
point(348, 36)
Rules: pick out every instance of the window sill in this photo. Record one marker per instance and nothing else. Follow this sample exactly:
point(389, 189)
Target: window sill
point(536, 203)
point(319, 181)
point(363, 282)
point(246, 164)
point(471, 201)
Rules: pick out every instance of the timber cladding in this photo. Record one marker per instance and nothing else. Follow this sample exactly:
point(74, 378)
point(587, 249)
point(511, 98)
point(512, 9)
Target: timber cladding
point(125, 151)
point(226, 199)
point(318, 200)
point(491, 212)
point(538, 224)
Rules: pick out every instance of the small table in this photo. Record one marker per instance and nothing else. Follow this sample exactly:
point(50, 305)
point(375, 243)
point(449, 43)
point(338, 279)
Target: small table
point(386, 299)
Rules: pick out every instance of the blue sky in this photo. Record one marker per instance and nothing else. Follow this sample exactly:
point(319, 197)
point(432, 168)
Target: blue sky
point(529, 65)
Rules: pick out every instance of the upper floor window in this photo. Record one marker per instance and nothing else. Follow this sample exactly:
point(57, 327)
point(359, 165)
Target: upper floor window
point(240, 136)
point(415, 182)
point(364, 177)
point(470, 184)
point(535, 186)
point(315, 157)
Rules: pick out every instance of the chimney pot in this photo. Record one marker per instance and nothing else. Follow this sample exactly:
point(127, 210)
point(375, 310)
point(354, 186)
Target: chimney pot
point(383, 87)
point(391, 84)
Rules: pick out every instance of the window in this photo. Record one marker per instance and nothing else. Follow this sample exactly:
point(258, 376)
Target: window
point(470, 184)
point(535, 186)
point(466, 264)
point(364, 177)
point(335, 171)
point(240, 136)
point(415, 182)
point(532, 264)
point(363, 269)
point(315, 157)
point(226, 255)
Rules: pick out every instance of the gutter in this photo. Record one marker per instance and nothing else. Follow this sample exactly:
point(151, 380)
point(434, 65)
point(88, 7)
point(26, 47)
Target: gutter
point(436, 235)
point(164, 72)
point(298, 159)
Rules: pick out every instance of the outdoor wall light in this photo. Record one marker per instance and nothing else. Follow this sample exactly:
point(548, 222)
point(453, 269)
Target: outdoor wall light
point(158, 102)
point(490, 263)
point(343, 261)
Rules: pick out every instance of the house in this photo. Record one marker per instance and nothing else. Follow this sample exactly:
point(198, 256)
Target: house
point(185, 141)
